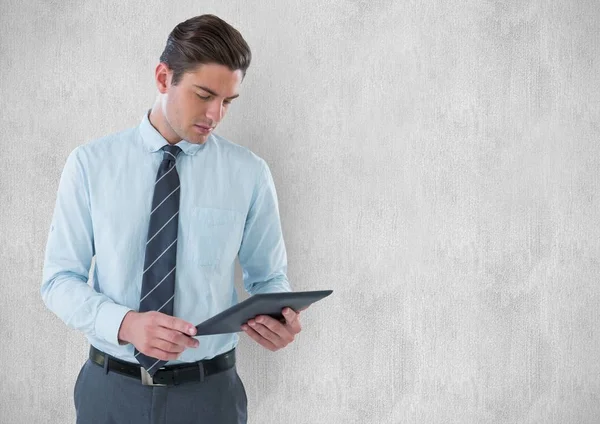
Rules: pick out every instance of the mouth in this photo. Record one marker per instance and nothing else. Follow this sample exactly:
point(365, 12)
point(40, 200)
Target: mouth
point(203, 129)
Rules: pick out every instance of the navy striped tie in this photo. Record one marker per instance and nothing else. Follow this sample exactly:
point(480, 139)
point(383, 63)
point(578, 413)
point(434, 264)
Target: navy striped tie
point(158, 279)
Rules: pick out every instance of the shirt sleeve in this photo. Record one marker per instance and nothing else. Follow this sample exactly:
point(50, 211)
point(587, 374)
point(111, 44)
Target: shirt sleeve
point(69, 252)
point(262, 253)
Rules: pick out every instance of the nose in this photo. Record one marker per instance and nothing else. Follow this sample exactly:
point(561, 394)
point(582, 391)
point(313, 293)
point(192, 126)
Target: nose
point(215, 111)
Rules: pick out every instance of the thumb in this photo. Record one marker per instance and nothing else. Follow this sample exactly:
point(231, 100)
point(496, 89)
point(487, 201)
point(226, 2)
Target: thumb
point(290, 315)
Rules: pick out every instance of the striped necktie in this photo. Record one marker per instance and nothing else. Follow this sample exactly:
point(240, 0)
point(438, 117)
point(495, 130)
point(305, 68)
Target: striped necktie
point(158, 279)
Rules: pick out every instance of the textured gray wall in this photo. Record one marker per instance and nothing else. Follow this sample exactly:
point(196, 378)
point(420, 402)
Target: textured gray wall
point(436, 164)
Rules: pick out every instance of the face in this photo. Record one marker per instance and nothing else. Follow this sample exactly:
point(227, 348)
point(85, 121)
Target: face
point(193, 108)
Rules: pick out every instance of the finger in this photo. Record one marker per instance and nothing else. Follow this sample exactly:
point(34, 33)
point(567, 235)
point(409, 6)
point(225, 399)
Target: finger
point(163, 349)
point(290, 315)
point(175, 323)
point(159, 352)
point(272, 330)
point(268, 335)
point(175, 337)
point(259, 339)
point(166, 346)
point(293, 321)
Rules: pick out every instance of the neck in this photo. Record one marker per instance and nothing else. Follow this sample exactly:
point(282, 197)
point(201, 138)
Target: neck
point(158, 121)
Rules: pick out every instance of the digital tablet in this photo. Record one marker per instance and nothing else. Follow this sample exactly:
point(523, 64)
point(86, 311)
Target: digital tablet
point(232, 319)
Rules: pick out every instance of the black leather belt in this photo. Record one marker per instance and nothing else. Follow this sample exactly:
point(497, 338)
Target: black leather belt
point(170, 375)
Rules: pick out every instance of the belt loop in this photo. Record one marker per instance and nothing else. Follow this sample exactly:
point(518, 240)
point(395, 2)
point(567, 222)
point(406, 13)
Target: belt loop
point(201, 370)
point(105, 363)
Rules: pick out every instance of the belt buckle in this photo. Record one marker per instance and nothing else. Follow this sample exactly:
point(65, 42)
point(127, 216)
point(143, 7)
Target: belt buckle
point(147, 379)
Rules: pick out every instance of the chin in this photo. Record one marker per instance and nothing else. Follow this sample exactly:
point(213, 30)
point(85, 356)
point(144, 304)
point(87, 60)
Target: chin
point(200, 140)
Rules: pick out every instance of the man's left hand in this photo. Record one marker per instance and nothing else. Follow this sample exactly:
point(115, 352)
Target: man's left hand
point(271, 333)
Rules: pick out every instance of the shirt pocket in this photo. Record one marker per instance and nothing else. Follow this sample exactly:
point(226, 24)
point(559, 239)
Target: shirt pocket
point(213, 234)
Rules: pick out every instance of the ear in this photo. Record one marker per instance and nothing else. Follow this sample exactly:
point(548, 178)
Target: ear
point(163, 76)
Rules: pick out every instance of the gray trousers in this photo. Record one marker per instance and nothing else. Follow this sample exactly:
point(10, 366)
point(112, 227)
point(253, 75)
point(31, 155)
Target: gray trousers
point(112, 398)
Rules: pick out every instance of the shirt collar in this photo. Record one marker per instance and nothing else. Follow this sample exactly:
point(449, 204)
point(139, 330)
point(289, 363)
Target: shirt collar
point(154, 141)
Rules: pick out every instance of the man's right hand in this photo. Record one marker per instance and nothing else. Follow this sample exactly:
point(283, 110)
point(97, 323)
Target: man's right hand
point(157, 335)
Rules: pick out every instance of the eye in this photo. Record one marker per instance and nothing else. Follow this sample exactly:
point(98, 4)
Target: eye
point(205, 98)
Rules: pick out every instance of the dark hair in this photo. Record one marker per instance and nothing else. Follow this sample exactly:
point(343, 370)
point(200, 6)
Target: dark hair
point(205, 39)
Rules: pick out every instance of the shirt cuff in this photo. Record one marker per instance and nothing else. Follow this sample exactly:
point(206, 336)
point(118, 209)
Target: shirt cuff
point(108, 321)
point(280, 286)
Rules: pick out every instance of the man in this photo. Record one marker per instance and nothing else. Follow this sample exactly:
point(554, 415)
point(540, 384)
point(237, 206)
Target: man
point(165, 208)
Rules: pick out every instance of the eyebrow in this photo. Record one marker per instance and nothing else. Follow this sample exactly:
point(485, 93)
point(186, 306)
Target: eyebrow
point(213, 93)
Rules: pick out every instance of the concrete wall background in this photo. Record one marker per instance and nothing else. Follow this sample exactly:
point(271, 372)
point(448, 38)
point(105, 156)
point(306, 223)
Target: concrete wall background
point(436, 164)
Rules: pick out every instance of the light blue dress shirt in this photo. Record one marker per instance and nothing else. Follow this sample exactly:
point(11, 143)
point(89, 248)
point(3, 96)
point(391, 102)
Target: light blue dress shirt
point(228, 209)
